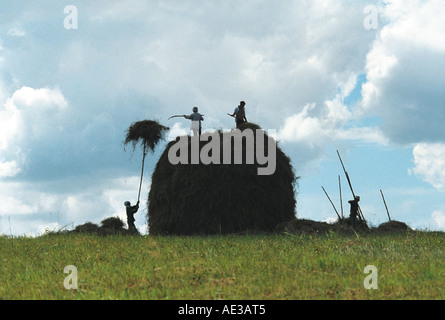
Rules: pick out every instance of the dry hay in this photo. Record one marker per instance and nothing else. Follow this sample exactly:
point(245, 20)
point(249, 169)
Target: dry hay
point(306, 226)
point(393, 227)
point(190, 199)
point(112, 225)
point(88, 227)
point(109, 226)
point(148, 133)
point(344, 226)
point(303, 226)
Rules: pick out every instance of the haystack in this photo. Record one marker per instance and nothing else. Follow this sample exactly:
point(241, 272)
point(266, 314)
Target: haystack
point(306, 226)
point(303, 226)
point(393, 227)
point(189, 199)
point(88, 227)
point(108, 226)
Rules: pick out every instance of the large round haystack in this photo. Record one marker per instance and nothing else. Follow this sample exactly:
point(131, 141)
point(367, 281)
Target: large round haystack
point(188, 199)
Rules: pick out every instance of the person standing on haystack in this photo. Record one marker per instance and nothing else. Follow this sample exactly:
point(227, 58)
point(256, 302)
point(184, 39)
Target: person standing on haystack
point(354, 210)
point(239, 114)
point(196, 119)
point(131, 210)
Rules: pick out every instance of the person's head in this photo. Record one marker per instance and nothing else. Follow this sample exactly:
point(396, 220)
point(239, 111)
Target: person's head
point(127, 203)
point(195, 109)
point(242, 104)
point(357, 198)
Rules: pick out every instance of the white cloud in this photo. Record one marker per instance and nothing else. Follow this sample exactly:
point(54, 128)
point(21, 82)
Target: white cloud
point(29, 120)
point(429, 162)
point(439, 218)
point(371, 135)
point(412, 21)
point(41, 99)
point(32, 210)
point(9, 168)
point(303, 127)
point(29, 113)
point(12, 205)
point(322, 130)
point(16, 32)
point(177, 130)
point(404, 86)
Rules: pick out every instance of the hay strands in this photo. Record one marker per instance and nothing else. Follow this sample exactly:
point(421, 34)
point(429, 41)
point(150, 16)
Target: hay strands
point(148, 133)
point(361, 216)
point(331, 203)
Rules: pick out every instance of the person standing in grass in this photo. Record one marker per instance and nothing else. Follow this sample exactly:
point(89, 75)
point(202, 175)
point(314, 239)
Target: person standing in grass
point(354, 210)
point(131, 210)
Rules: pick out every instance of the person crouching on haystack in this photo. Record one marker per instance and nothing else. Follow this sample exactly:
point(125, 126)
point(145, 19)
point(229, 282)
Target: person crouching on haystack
point(131, 210)
point(354, 210)
point(196, 119)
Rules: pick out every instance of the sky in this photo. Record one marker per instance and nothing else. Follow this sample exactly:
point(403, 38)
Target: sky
point(365, 78)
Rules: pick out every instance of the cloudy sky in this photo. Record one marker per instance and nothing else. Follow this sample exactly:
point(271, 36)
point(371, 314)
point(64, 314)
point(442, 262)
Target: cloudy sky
point(366, 78)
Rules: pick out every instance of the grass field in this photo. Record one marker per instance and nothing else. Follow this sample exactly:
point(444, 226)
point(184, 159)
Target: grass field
point(410, 266)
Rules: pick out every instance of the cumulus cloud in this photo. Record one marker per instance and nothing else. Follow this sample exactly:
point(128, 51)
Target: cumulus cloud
point(16, 32)
point(9, 168)
point(429, 160)
point(403, 85)
point(439, 218)
point(29, 119)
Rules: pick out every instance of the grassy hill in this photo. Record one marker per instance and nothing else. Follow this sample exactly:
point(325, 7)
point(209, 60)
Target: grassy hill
point(288, 266)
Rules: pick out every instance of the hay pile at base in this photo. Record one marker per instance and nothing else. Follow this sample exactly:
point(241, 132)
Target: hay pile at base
point(147, 132)
point(109, 226)
point(344, 226)
point(393, 227)
point(305, 226)
point(190, 199)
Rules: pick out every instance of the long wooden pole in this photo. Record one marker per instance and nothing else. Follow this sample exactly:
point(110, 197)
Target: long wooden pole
point(142, 173)
point(341, 201)
point(331, 202)
point(384, 201)
point(361, 216)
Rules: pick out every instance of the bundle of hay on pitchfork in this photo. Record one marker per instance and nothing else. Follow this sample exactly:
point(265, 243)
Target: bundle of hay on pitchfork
point(148, 134)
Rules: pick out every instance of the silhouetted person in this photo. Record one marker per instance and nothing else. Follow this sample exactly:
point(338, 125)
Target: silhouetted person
point(196, 118)
point(131, 210)
point(354, 210)
point(239, 114)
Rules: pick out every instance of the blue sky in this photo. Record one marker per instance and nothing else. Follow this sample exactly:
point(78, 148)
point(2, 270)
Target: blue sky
point(362, 77)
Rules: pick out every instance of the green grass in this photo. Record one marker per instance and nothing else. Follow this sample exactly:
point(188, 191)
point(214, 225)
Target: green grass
point(410, 266)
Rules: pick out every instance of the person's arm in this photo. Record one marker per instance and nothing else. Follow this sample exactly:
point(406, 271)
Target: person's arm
point(234, 113)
